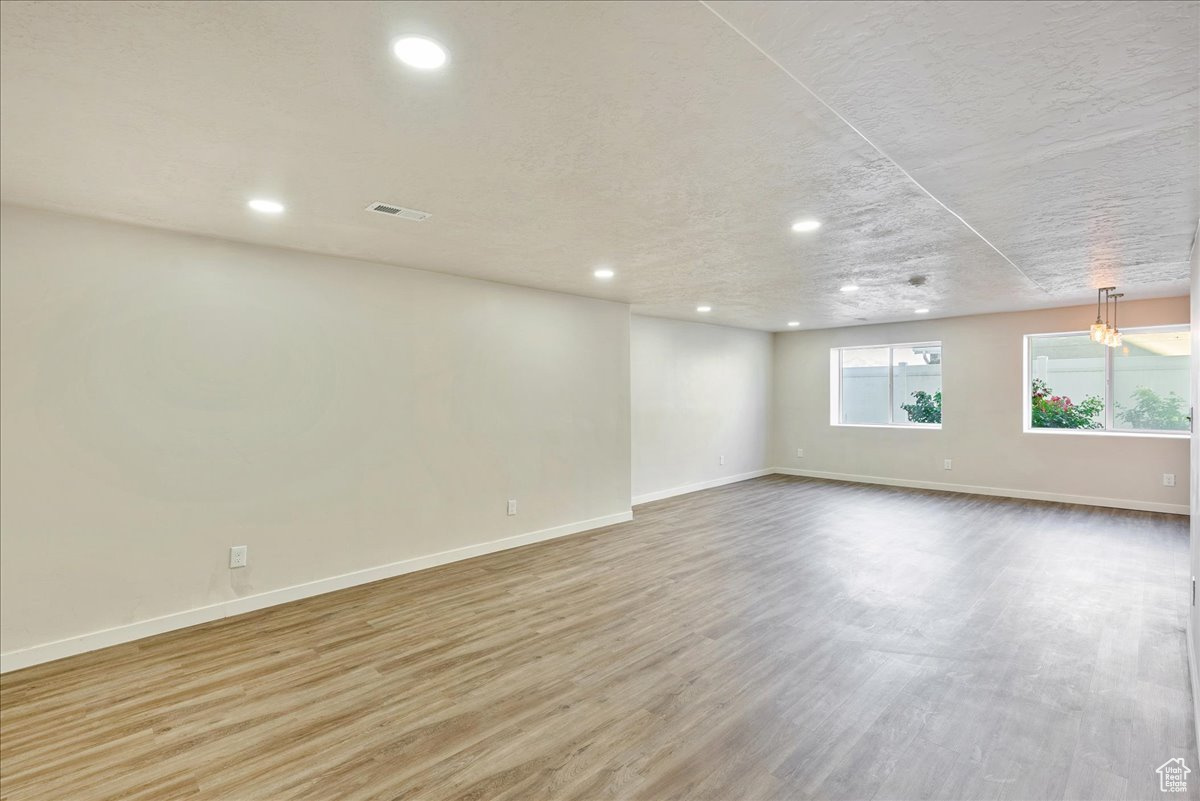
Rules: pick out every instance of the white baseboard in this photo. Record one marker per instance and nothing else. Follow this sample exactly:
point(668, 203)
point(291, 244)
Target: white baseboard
point(1032, 495)
point(47, 652)
point(1191, 653)
point(658, 495)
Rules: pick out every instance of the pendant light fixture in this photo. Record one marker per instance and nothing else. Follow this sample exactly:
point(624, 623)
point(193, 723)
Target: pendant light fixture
point(1100, 327)
point(1102, 331)
point(1113, 338)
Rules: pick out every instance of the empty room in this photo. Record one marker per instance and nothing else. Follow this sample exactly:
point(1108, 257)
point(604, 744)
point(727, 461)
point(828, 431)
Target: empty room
point(579, 400)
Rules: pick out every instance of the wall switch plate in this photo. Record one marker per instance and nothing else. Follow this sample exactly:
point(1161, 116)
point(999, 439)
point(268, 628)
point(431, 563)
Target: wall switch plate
point(947, 464)
point(238, 556)
point(1168, 479)
point(722, 460)
point(512, 507)
point(799, 453)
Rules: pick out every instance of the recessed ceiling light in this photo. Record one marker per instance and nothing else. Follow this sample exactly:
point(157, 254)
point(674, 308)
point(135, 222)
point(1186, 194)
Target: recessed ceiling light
point(604, 273)
point(266, 206)
point(419, 52)
point(849, 288)
point(704, 309)
point(794, 324)
point(920, 311)
point(804, 226)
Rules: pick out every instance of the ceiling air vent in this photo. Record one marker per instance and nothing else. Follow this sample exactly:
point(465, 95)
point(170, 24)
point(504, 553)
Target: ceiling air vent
point(399, 211)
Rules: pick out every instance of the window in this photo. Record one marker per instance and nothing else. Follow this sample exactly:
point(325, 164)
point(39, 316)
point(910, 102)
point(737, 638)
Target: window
point(1078, 385)
point(887, 385)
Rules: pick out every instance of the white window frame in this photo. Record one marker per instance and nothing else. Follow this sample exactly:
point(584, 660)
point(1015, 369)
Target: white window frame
point(1109, 407)
point(835, 384)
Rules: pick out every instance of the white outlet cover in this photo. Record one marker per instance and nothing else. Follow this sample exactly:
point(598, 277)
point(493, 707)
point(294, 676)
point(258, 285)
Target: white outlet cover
point(238, 556)
point(512, 506)
point(799, 453)
point(1168, 479)
point(947, 464)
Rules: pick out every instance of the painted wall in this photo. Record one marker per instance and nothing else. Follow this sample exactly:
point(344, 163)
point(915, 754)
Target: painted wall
point(167, 396)
point(982, 422)
point(1194, 500)
point(698, 392)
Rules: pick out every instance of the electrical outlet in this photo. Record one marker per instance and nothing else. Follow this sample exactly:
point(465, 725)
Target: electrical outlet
point(721, 460)
point(238, 556)
point(947, 464)
point(512, 506)
point(799, 453)
point(1168, 479)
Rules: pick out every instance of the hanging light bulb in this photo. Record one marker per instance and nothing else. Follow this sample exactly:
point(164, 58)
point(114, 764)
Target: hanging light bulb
point(1108, 329)
point(1113, 340)
point(1100, 327)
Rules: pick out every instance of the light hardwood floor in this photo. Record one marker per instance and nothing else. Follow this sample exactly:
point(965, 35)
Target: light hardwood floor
point(778, 638)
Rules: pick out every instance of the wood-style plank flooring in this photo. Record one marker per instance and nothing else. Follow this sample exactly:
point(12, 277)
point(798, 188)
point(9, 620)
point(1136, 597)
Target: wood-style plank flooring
point(778, 638)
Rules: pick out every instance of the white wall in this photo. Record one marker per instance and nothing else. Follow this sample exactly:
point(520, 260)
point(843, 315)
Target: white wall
point(166, 396)
point(698, 392)
point(982, 425)
point(1194, 611)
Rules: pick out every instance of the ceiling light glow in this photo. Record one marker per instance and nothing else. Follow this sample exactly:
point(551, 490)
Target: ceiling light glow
point(604, 273)
point(266, 206)
point(920, 311)
point(794, 324)
point(849, 288)
point(419, 52)
point(804, 226)
point(704, 309)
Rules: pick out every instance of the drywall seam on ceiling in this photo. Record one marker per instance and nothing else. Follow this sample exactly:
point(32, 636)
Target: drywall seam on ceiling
point(873, 146)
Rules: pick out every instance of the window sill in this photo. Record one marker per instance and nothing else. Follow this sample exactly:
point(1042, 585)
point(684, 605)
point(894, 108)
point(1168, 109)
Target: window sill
point(912, 427)
point(1069, 432)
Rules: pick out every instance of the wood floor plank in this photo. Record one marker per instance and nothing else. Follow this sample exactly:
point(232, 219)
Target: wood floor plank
point(779, 638)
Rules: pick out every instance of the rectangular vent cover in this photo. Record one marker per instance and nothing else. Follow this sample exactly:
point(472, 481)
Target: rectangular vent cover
point(393, 210)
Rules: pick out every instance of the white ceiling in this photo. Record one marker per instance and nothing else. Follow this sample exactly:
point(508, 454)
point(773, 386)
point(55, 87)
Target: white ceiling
point(674, 142)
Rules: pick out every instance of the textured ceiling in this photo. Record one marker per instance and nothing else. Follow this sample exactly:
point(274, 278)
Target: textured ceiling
point(1016, 155)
